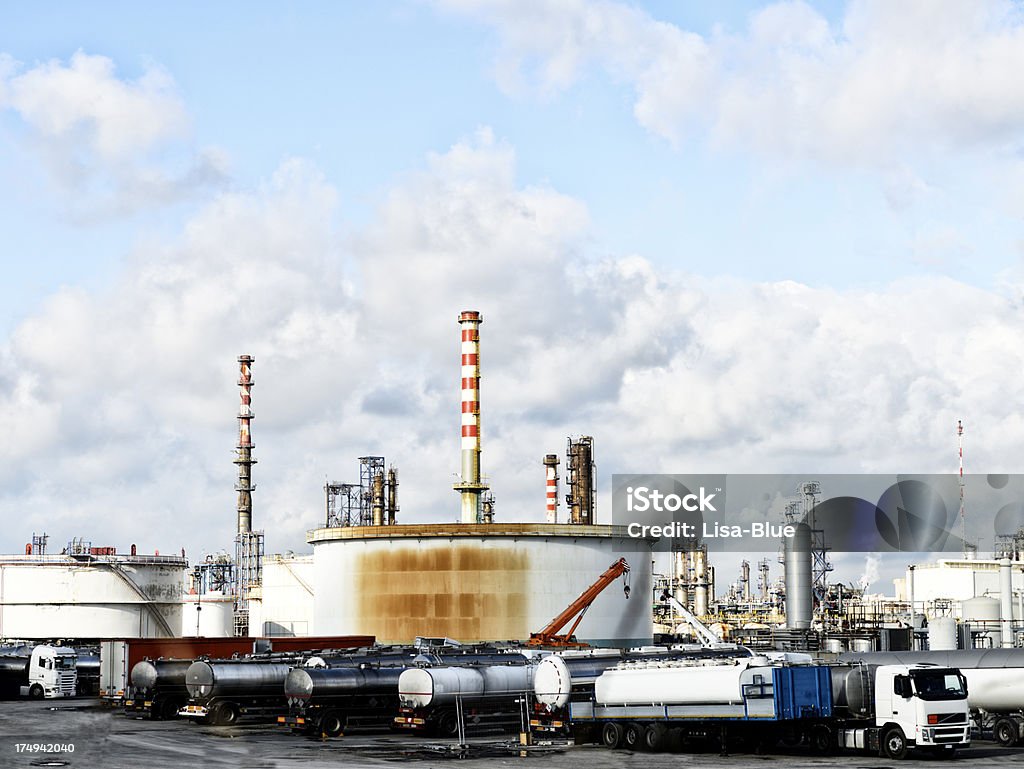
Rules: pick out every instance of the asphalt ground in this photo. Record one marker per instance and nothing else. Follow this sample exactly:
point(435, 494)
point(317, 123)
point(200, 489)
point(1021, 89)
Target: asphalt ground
point(81, 733)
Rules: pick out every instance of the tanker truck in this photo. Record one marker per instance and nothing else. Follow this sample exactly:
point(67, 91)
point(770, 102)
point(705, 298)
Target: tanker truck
point(440, 700)
point(327, 696)
point(889, 710)
point(157, 688)
point(45, 671)
point(995, 681)
point(222, 691)
point(570, 675)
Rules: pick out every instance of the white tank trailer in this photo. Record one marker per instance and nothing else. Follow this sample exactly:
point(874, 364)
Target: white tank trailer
point(157, 688)
point(570, 675)
point(339, 693)
point(890, 709)
point(430, 699)
point(222, 691)
point(995, 684)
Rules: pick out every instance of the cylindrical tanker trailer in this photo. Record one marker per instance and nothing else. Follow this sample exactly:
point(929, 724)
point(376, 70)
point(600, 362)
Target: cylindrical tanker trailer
point(87, 667)
point(995, 684)
point(890, 709)
point(570, 675)
point(222, 691)
point(432, 699)
point(359, 691)
point(328, 701)
point(157, 688)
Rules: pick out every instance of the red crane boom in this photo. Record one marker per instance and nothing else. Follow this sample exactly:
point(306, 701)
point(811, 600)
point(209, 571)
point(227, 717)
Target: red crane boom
point(549, 635)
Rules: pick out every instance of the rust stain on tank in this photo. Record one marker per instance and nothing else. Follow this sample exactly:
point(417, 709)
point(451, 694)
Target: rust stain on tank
point(463, 591)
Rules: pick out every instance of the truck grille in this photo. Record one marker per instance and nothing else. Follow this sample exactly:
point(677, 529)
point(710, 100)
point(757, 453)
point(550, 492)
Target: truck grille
point(942, 736)
point(952, 718)
point(66, 683)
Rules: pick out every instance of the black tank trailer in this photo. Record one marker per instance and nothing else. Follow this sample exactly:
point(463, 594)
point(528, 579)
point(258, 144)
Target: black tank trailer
point(88, 667)
point(346, 693)
point(13, 674)
point(157, 689)
point(223, 691)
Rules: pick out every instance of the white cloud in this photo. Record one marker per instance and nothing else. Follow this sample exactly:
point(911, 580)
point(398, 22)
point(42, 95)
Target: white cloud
point(117, 140)
point(122, 403)
point(892, 78)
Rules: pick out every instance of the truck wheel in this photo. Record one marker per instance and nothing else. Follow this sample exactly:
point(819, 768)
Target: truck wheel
point(331, 724)
point(448, 724)
point(168, 710)
point(611, 735)
point(654, 738)
point(224, 714)
point(36, 692)
point(894, 744)
point(633, 737)
point(1005, 732)
point(821, 740)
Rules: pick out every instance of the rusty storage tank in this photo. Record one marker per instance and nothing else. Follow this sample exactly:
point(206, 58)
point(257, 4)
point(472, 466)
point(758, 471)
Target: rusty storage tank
point(477, 582)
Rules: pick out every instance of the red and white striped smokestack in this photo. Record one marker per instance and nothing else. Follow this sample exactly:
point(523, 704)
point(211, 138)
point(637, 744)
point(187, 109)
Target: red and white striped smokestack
point(551, 465)
point(470, 486)
point(244, 459)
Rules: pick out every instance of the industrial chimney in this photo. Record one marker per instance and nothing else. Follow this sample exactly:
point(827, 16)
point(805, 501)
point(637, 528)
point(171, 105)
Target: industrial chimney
point(470, 485)
point(244, 459)
point(551, 486)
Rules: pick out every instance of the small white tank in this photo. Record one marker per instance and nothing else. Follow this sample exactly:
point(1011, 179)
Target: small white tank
point(210, 615)
point(942, 634)
point(982, 612)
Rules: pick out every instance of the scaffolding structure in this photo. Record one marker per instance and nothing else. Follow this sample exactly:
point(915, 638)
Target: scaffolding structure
point(214, 575)
point(371, 502)
point(248, 576)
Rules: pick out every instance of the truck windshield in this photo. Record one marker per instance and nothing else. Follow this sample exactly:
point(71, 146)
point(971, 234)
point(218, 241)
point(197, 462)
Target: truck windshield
point(65, 663)
point(939, 684)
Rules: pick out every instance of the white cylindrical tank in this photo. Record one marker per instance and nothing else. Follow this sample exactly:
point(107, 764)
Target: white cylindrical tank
point(422, 687)
point(982, 613)
point(673, 683)
point(942, 634)
point(210, 615)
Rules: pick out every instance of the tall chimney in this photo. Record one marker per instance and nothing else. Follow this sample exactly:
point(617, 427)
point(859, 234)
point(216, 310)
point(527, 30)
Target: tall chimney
point(470, 485)
point(244, 459)
point(551, 467)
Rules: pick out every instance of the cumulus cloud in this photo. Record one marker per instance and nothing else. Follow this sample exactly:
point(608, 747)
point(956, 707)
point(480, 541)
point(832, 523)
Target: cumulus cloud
point(888, 79)
point(121, 402)
point(115, 138)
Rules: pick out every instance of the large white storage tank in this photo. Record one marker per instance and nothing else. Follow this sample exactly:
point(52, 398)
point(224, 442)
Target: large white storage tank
point(285, 603)
point(85, 596)
point(476, 582)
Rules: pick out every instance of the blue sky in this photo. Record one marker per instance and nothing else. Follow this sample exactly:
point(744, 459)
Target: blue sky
point(792, 230)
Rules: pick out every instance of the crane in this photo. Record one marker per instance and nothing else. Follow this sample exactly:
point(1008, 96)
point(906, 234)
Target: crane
point(707, 637)
point(549, 635)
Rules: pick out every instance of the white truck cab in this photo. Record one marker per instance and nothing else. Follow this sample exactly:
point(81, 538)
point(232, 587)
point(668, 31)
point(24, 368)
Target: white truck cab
point(52, 672)
point(921, 707)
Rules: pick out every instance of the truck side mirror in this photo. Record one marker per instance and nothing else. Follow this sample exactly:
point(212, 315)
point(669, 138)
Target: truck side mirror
point(901, 686)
